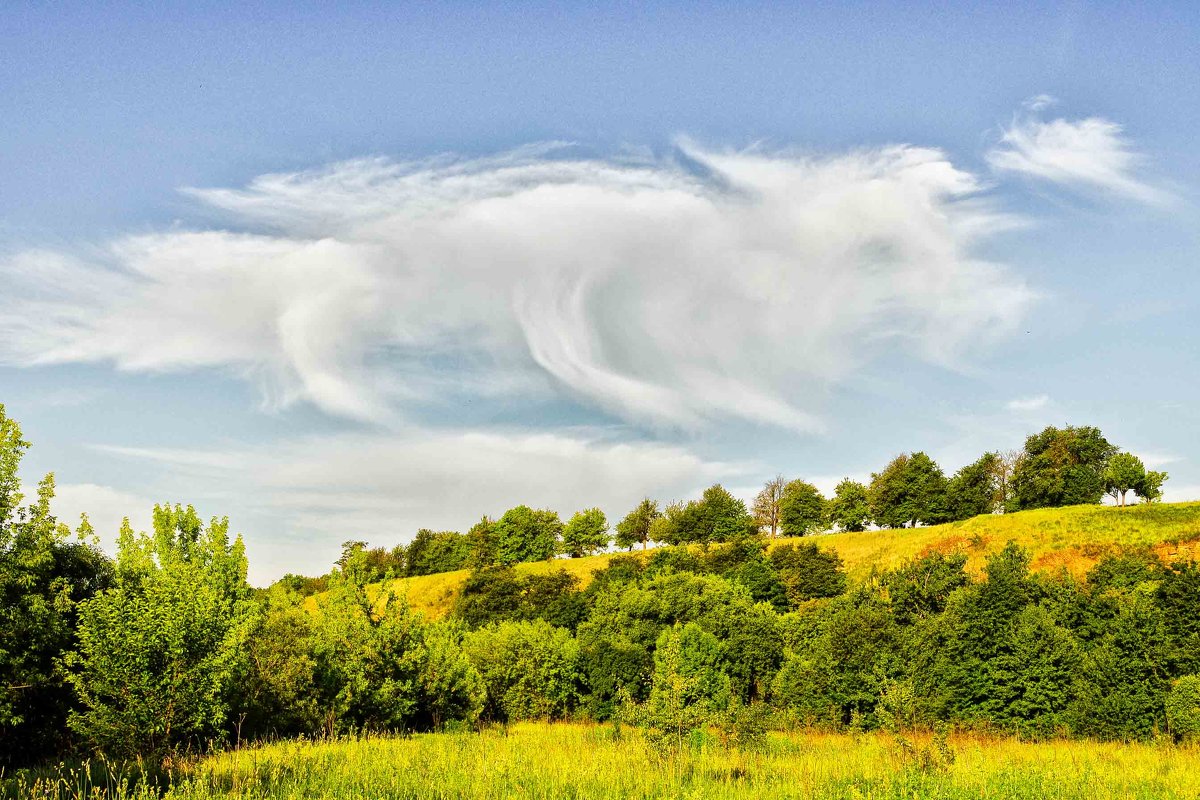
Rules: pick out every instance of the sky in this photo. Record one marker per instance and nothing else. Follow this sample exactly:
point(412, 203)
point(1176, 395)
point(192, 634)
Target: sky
point(346, 273)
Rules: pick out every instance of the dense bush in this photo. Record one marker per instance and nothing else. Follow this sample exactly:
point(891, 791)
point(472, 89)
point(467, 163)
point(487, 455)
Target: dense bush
point(530, 670)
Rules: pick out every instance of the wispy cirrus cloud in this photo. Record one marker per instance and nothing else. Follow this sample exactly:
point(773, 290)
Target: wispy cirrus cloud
point(665, 292)
point(1091, 154)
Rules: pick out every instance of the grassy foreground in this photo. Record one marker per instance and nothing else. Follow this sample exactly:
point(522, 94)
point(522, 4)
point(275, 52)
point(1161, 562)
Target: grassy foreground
point(1072, 538)
point(585, 761)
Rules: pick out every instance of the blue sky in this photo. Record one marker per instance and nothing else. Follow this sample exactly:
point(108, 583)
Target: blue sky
point(347, 274)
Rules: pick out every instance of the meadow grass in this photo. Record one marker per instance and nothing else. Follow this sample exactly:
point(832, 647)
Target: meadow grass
point(1072, 538)
point(588, 761)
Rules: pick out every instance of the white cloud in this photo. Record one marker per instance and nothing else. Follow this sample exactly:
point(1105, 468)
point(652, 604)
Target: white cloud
point(1158, 460)
point(1180, 494)
point(306, 496)
point(1085, 154)
point(666, 292)
point(1035, 403)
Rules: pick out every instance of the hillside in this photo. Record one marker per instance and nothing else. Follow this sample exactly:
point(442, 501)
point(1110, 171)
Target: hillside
point(1073, 538)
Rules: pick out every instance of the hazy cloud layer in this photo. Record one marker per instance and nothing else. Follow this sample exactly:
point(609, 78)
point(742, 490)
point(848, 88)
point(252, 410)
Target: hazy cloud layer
point(1091, 154)
point(664, 292)
point(319, 491)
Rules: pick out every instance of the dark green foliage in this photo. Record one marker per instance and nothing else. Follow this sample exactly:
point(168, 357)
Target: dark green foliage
point(499, 594)
point(1125, 667)
point(974, 489)
point(431, 552)
point(921, 588)
point(523, 534)
point(806, 572)
point(1125, 571)
point(717, 516)
point(44, 578)
point(275, 693)
point(801, 509)
point(1061, 467)
point(911, 490)
point(1178, 595)
point(753, 652)
point(850, 507)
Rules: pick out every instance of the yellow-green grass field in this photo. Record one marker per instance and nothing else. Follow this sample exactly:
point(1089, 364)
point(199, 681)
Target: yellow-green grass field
point(587, 761)
point(1071, 538)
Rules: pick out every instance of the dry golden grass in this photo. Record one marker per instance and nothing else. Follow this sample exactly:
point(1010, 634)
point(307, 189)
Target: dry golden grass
point(1072, 538)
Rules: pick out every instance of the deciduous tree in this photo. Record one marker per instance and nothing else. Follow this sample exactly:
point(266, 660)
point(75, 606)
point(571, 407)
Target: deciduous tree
point(586, 532)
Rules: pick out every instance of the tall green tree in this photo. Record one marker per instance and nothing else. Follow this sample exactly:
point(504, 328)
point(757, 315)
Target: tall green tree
point(1124, 472)
point(159, 651)
point(45, 573)
point(586, 532)
point(1061, 467)
point(911, 490)
point(717, 516)
point(850, 507)
point(523, 534)
point(974, 489)
point(635, 527)
point(482, 544)
point(379, 666)
point(1150, 487)
point(801, 509)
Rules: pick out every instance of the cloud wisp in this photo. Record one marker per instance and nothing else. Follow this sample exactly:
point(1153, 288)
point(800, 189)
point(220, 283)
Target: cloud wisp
point(1088, 155)
point(665, 292)
point(1033, 403)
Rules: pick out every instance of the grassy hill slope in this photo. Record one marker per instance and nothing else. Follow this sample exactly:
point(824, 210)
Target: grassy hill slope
point(1072, 538)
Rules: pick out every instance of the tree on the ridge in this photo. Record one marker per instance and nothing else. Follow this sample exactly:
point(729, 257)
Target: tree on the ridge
point(1124, 472)
point(482, 546)
point(801, 509)
point(974, 489)
point(850, 508)
point(1150, 489)
point(911, 490)
point(635, 527)
point(717, 516)
point(586, 532)
point(523, 534)
point(431, 552)
point(766, 504)
point(1061, 467)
